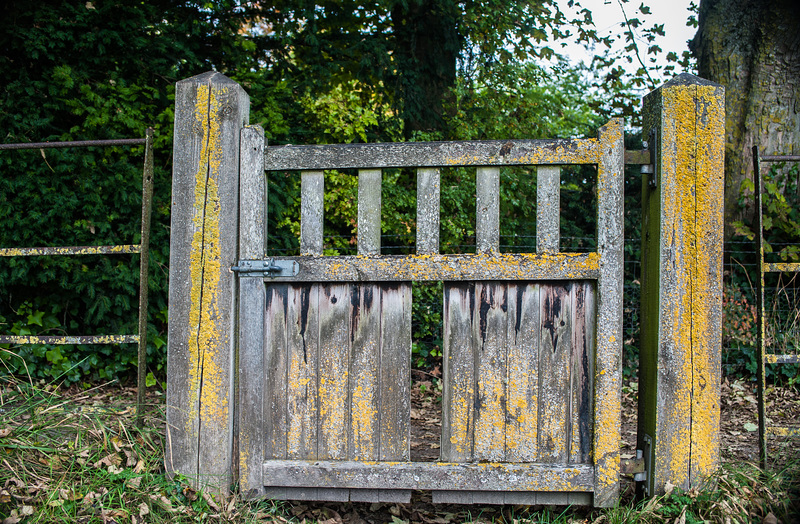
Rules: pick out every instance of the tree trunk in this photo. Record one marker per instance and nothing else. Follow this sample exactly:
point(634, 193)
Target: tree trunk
point(752, 47)
point(426, 44)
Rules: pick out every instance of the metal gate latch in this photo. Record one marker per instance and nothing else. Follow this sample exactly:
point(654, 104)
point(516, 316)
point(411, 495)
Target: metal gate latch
point(267, 268)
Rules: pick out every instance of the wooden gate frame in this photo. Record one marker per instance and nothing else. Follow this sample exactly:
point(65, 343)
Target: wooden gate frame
point(207, 440)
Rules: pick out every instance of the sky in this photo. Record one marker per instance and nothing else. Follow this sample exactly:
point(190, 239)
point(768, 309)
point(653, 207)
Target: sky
point(607, 16)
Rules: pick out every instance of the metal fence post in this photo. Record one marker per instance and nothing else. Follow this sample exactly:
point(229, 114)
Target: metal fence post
point(210, 110)
point(682, 245)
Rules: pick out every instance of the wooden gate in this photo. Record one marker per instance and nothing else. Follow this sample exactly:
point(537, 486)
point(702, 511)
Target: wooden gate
point(292, 375)
point(532, 342)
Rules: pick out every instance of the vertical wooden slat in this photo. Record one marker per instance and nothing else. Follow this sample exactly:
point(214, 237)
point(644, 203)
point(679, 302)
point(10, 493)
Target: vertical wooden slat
point(334, 355)
point(608, 373)
point(210, 110)
point(554, 359)
point(364, 388)
point(548, 203)
point(274, 375)
point(252, 308)
point(428, 191)
point(395, 361)
point(459, 374)
point(523, 373)
point(490, 326)
point(369, 212)
point(580, 372)
point(312, 188)
point(487, 216)
point(302, 326)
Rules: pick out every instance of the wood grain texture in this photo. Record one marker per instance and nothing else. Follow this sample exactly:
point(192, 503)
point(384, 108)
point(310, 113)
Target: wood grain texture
point(582, 372)
point(302, 332)
point(548, 209)
point(395, 364)
point(458, 362)
point(681, 279)
point(555, 351)
point(432, 154)
point(210, 111)
point(608, 370)
point(490, 326)
point(252, 305)
point(525, 498)
point(312, 188)
point(522, 425)
point(369, 212)
point(484, 476)
point(364, 396)
point(276, 343)
point(428, 209)
point(334, 356)
point(516, 383)
point(487, 211)
point(426, 268)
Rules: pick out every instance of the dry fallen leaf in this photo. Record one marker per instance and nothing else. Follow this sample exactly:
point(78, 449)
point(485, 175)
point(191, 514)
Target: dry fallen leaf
point(5, 432)
point(144, 509)
point(112, 459)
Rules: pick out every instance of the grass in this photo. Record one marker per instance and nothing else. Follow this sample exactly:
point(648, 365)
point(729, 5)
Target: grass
point(71, 455)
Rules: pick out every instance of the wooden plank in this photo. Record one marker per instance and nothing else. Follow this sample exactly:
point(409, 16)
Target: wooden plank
point(452, 497)
point(395, 362)
point(210, 111)
point(582, 372)
point(252, 194)
point(458, 395)
point(490, 327)
point(432, 154)
point(421, 268)
point(487, 214)
point(548, 209)
point(302, 332)
point(334, 356)
point(608, 379)
point(312, 188)
point(428, 208)
point(252, 310)
point(364, 402)
point(274, 372)
point(369, 212)
point(681, 283)
point(524, 498)
point(400, 496)
point(485, 476)
point(523, 373)
point(554, 360)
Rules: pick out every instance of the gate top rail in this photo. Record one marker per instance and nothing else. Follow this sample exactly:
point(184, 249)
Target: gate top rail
point(432, 154)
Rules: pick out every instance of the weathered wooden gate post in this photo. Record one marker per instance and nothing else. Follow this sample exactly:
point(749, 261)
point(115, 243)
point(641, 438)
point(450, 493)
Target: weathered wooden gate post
point(682, 283)
point(210, 110)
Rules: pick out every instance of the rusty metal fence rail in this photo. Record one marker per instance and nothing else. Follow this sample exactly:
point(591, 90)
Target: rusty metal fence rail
point(761, 336)
point(143, 249)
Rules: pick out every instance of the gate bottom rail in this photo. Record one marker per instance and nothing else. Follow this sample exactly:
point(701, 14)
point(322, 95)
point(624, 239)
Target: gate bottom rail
point(488, 476)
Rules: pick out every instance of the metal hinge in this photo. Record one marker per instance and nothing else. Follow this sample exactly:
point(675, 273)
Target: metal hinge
point(635, 467)
point(267, 268)
point(650, 169)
